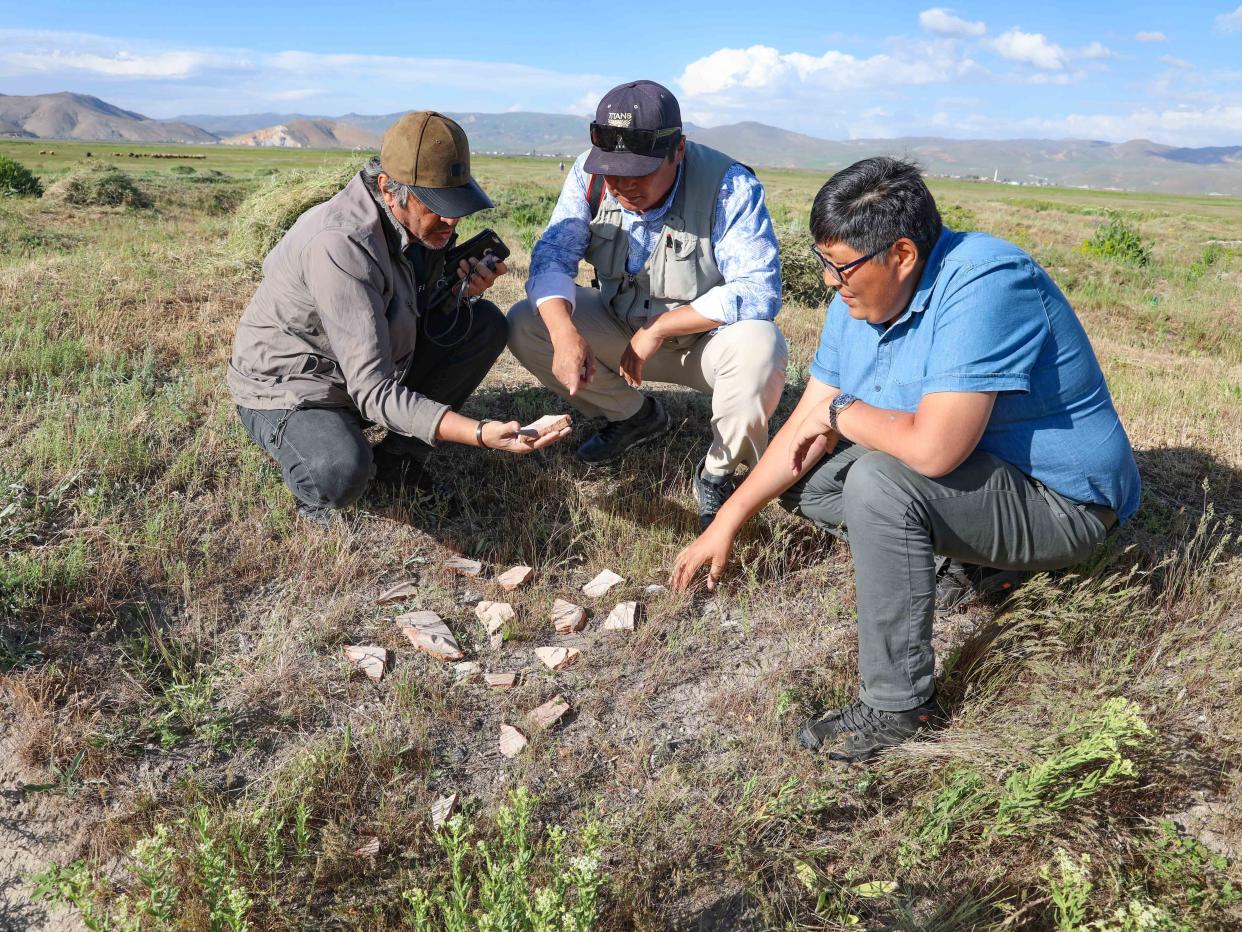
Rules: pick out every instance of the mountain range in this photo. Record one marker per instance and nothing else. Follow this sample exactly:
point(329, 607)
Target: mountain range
point(1135, 165)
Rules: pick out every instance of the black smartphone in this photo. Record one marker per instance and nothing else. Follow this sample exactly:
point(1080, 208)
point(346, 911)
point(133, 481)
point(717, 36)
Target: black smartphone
point(484, 246)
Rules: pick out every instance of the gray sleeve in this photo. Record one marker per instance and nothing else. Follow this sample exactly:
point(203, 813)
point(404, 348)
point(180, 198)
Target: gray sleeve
point(347, 286)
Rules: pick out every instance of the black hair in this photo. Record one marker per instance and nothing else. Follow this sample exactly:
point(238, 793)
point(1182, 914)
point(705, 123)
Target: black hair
point(874, 203)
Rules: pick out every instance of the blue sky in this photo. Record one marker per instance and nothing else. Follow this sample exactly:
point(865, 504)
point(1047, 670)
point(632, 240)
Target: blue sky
point(1055, 69)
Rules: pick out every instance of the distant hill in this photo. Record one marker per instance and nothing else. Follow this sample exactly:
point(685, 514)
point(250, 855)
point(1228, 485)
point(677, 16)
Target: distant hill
point(309, 134)
point(1139, 164)
point(80, 116)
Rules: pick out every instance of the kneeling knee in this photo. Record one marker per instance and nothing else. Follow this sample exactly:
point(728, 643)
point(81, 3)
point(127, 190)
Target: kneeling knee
point(873, 480)
point(340, 481)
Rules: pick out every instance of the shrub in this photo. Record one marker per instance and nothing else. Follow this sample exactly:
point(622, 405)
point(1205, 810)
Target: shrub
point(98, 185)
point(1116, 239)
point(16, 180)
point(183, 170)
point(522, 206)
point(957, 218)
point(802, 276)
point(264, 217)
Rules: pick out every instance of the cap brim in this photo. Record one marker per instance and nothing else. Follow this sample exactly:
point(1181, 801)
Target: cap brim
point(621, 164)
point(454, 202)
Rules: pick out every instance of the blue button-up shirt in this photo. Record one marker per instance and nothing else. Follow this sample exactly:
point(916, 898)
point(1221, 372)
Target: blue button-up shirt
point(743, 244)
point(987, 318)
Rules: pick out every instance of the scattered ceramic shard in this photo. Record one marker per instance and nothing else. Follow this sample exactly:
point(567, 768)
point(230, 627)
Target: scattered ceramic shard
point(466, 669)
point(622, 617)
point(428, 633)
point(494, 615)
point(372, 661)
point(497, 640)
point(500, 680)
point(443, 808)
point(655, 589)
point(568, 617)
point(398, 593)
point(517, 576)
point(547, 714)
point(464, 566)
point(368, 849)
point(469, 597)
point(602, 583)
point(549, 423)
point(557, 658)
point(512, 741)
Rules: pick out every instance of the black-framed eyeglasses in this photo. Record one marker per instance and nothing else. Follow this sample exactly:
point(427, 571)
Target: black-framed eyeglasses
point(838, 271)
point(638, 141)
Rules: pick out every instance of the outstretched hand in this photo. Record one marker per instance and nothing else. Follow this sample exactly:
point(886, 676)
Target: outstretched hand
point(509, 437)
point(712, 548)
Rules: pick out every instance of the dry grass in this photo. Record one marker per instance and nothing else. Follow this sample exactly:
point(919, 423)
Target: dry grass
point(169, 625)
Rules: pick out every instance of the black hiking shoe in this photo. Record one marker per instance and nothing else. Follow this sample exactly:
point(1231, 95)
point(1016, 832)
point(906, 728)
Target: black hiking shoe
point(616, 437)
point(865, 731)
point(396, 472)
point(319, 515)
point(959, 585)
point(711, 492)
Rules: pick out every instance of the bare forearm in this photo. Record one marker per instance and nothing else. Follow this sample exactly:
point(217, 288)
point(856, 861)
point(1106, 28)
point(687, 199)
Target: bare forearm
point(557, 316)
point(934, 440)
point(454, 428)
point(680, 322)
point(772, 475)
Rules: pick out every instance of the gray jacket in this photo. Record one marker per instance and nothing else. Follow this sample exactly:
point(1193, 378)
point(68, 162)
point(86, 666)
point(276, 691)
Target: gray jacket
point(335, 320)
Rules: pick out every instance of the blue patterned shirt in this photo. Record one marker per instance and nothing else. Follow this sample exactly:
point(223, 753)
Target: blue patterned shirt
point(743, 243)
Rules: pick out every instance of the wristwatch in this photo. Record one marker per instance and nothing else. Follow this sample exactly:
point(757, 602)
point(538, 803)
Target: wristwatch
point(839, 404)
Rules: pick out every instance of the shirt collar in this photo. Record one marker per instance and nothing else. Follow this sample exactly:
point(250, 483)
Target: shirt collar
point(392, 226)
point(927, 281)
point(657, 212)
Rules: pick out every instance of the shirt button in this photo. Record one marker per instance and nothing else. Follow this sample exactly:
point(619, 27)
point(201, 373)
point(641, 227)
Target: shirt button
point(877, 388)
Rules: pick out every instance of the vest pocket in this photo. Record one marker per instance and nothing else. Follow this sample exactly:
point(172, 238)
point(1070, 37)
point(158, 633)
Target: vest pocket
point(675, 267)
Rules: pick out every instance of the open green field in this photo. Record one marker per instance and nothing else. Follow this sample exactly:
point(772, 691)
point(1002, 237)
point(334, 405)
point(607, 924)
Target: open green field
point(184, 746)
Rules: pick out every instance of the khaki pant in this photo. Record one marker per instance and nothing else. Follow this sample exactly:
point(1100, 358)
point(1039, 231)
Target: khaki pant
point(742, 367)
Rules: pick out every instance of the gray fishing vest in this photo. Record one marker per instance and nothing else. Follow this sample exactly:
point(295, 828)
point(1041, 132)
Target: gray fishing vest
point(681, 266)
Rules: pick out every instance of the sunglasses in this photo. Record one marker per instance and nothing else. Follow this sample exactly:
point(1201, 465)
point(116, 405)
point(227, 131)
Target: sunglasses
point(838, 271)
point(637, 141)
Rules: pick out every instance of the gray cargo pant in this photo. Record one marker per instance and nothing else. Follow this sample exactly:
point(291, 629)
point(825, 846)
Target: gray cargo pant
point(895, 519)
point(323, 454)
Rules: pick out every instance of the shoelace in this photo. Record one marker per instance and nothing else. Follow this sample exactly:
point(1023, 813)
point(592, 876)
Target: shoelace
point(861, 717)
point(714, 494)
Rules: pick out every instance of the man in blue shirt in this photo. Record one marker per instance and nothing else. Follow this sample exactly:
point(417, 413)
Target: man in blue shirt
point(955, 407)
point(687, 286)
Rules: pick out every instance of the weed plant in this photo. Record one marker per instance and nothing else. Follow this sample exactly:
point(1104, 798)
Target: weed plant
point(16, 180)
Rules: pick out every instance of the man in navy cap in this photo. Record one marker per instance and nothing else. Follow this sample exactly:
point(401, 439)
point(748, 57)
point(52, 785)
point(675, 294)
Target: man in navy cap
point(686, 288)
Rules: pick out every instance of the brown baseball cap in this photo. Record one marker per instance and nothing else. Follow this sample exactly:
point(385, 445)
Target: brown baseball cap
point(430, 153)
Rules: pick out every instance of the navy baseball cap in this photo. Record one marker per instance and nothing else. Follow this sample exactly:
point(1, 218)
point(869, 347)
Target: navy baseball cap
point(635, 124)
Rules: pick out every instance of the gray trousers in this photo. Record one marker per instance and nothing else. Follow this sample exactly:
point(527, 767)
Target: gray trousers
point(895, 520)
point(323, 454)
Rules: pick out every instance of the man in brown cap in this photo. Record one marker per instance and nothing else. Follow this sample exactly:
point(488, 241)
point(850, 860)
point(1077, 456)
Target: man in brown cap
point(344, 332)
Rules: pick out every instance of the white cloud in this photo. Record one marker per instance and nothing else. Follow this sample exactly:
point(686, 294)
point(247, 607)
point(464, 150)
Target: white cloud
point(233, 80)
point(1030, 48)
point(762, 67)
point(1150, 37)
point(944, 22)
point(1096, 50)
point(1230, 23)
point(1174, 62)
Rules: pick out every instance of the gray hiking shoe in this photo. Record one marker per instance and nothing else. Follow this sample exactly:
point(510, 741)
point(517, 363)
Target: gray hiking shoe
point(959, 585)
point(864, 731)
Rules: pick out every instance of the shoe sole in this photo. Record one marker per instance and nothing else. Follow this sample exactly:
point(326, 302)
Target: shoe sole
point(613, 460)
